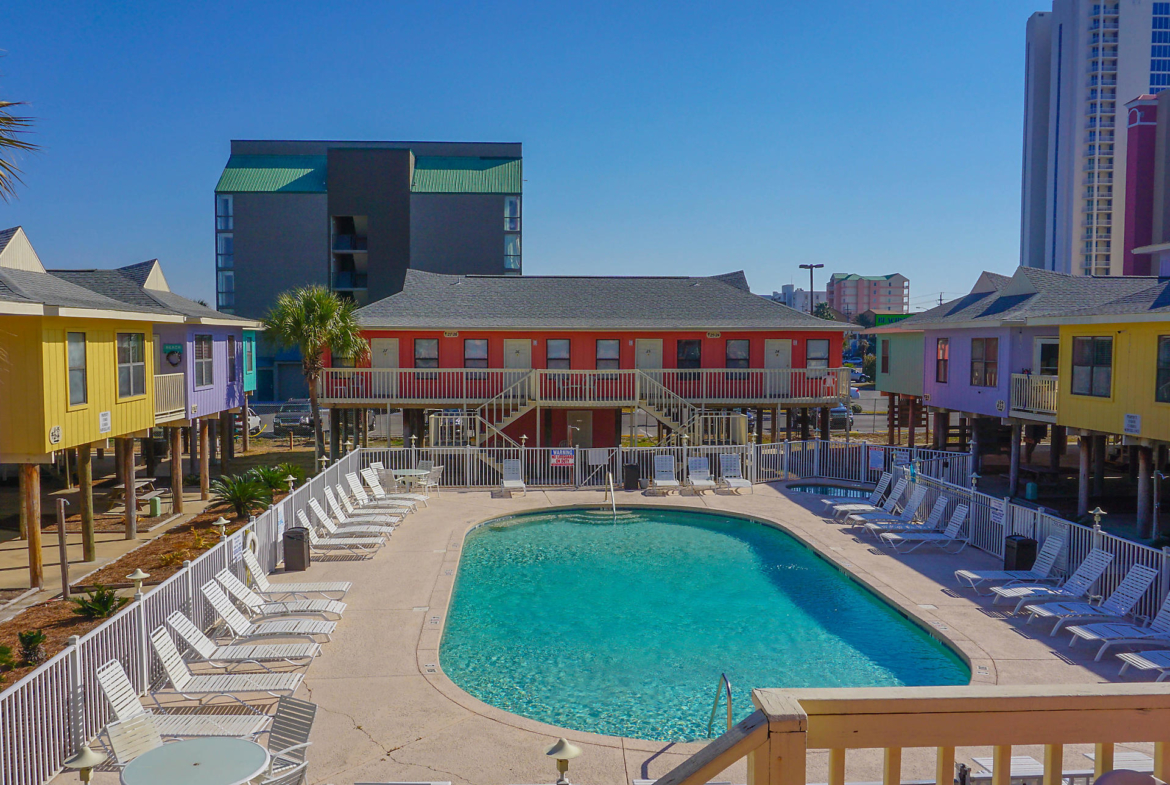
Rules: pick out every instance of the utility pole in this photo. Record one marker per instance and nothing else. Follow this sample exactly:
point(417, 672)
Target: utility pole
point(811, 287)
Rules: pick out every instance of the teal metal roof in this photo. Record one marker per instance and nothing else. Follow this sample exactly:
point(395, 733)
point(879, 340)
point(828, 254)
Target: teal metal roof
point(466, 175)
point(273, 174)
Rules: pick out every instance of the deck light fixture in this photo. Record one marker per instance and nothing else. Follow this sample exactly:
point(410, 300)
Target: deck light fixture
point(292, 481)
point(974, 480)
point(563, 752)
point(84, 761)
point(1097, 512)
point(324, 462)
point(138, 576)
point(221, 524)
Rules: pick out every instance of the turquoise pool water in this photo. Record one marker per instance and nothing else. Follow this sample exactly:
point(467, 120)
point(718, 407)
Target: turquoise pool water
point(623, 628)
point(834, 491)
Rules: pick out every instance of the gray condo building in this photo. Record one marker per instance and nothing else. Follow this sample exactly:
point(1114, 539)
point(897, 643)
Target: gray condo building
point(354, 217)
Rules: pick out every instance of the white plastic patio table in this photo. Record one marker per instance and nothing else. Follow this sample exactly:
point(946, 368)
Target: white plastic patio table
point(411, 475)
point(206, 761)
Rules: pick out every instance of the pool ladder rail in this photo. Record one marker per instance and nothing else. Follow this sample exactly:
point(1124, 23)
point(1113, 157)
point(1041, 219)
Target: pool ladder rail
point(610, 495)
point(722, 686)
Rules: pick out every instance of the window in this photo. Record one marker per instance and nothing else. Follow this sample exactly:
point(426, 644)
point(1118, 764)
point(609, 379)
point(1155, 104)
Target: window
point(426, 352)
point(131, 364)
point(511, 252)
point(511, 213)
point(738, 353)
point(223, 212)
point(231, 352)
point(75, 355)
point(475, 353)
point(1092, 367)
point(249, 359)
point(816, 353)
point(942, 360)
point(225, 253)
point(225, 276)
point(1162, 391)
point(204, 364)
point(557, 354)
point(984, 362)
point(609, 354)
point(885, 355)
point(690, 354)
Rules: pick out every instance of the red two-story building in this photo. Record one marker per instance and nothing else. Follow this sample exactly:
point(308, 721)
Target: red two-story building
point(569, 360)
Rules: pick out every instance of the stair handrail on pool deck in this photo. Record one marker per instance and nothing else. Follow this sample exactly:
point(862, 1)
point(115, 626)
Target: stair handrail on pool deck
point(719, 690)
point(612, 497)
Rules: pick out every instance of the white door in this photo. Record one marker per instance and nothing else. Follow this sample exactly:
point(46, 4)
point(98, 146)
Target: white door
point(384, 353)
point(517, 353)
point(580, 428)
point(648, 354)
point(778, 357)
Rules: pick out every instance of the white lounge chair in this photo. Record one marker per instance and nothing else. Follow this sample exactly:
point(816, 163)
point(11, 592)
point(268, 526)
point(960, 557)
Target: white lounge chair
point(363, 500)
point(234, 654)
point(664, 477)
point(917, 497)
point(888, 506)
point(373, 476)
point(351, 517)
point(241, 630)
point(125, 703)
point(288, 741)
point(362, 547)
point(730, 474)
point(699, 474)
point(201, 687)
point(932, 523)
point(1156, 633)
point(276, 591)
point(348, 529)
point(944, 539)
point(257, 606)
point(132, 737)
point(1146, 661)
point(387, 515)
point(875, 497)
point(1076, 587)
point(1041, 571)
point(511, 478)
point(1116, 607)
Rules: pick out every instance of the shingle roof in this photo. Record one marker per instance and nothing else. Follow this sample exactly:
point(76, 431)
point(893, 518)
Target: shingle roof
point(52, 290)
point(125, 285)
point(1030, 293)
point(436, 301)
point(1150, 300)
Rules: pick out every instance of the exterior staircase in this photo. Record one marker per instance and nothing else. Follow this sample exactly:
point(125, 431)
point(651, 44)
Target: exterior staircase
point(512, 403)
point(683, 418)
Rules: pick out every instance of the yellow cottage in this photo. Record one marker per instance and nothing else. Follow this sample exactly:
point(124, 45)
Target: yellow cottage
point(75, 368)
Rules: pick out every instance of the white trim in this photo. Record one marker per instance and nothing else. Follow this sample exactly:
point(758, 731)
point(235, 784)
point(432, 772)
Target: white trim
point(101, 313)
point(8, 308)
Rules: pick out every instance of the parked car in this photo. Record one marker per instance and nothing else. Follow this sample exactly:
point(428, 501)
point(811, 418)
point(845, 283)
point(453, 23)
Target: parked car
point(841, 417)
point(295, 416)
point(856, 375)
point(254, 423)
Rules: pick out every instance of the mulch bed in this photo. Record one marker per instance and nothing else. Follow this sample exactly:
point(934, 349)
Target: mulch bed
point(161, 557)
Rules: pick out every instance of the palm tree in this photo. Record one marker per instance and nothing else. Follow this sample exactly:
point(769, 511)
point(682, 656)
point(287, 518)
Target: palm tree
point(11, 126)
point(315, 320)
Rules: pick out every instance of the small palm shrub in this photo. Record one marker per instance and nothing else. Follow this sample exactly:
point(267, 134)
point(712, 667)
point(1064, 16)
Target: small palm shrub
point(202, 540)
point(175, 558)
point(243, 492)
point(272, 477)
point(101, 603)
point(7, 661)
point(296, 471)
point(32, 646)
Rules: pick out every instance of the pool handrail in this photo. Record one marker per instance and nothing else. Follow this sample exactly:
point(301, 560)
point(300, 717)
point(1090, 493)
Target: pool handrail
point(719, 690)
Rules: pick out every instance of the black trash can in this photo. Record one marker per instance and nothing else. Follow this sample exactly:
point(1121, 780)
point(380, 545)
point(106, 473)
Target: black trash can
point(630, 476)
point(1019, 552)
point(296, 549)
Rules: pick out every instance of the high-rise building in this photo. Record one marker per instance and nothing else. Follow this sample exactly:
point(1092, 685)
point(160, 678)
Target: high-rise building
point(1080, 58)
point(853, 294)
point(795, 297)
point(354, 216)
point(1146, 248)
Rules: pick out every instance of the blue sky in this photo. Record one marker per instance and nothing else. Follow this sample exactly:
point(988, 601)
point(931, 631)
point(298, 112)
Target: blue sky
point(690, 139)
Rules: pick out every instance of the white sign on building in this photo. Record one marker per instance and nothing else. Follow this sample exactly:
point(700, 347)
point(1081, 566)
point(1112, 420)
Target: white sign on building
point(1133, 425)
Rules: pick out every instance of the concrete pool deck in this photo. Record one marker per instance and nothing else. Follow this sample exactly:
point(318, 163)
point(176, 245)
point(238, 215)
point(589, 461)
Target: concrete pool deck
point(388, 713)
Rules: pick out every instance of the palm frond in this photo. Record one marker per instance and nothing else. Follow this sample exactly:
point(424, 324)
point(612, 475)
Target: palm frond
point(11, 126)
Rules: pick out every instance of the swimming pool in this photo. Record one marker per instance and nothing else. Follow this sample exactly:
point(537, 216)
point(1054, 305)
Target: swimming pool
point(834, 491)
point(623, 628)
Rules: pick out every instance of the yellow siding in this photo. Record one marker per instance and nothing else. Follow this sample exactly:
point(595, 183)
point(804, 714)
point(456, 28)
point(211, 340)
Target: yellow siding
point(35, 386)
point(1135, 351)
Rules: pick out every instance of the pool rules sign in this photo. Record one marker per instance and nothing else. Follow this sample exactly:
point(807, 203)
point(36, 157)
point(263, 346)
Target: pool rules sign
point(562, 456)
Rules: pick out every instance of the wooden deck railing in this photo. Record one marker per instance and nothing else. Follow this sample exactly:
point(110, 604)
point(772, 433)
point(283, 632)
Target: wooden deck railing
point(776, 738)
point(463, 387)
point(170, 400)
point(1034, 395)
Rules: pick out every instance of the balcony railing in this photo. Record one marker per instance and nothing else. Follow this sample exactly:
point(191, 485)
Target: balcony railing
point(349, 280)
point(788, 723)
point(349, 243)
point(1034, 396)
point(170, 400)
point(450, 387)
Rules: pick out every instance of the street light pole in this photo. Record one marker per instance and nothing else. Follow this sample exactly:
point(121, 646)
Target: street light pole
point(811, 298)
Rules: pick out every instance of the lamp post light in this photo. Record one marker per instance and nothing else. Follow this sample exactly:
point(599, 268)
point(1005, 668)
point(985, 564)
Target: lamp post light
point(974, 480)
point(563, 752)
point(137, 577)
point(810, 268)
point(1097, 512)
point(324, 463)
point(292, 483)
point(84, 761)
point(221, 524)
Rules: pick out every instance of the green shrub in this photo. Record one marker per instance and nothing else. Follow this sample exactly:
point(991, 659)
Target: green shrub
point(101, 603)
point(243, 492)
point(32, 646)
point(272, 478)
point(296, 471)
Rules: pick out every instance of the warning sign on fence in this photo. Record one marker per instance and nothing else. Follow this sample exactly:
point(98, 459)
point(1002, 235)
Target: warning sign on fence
point(562, 456)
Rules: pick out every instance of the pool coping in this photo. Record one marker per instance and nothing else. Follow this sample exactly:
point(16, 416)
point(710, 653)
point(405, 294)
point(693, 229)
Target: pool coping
point(980, 664)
